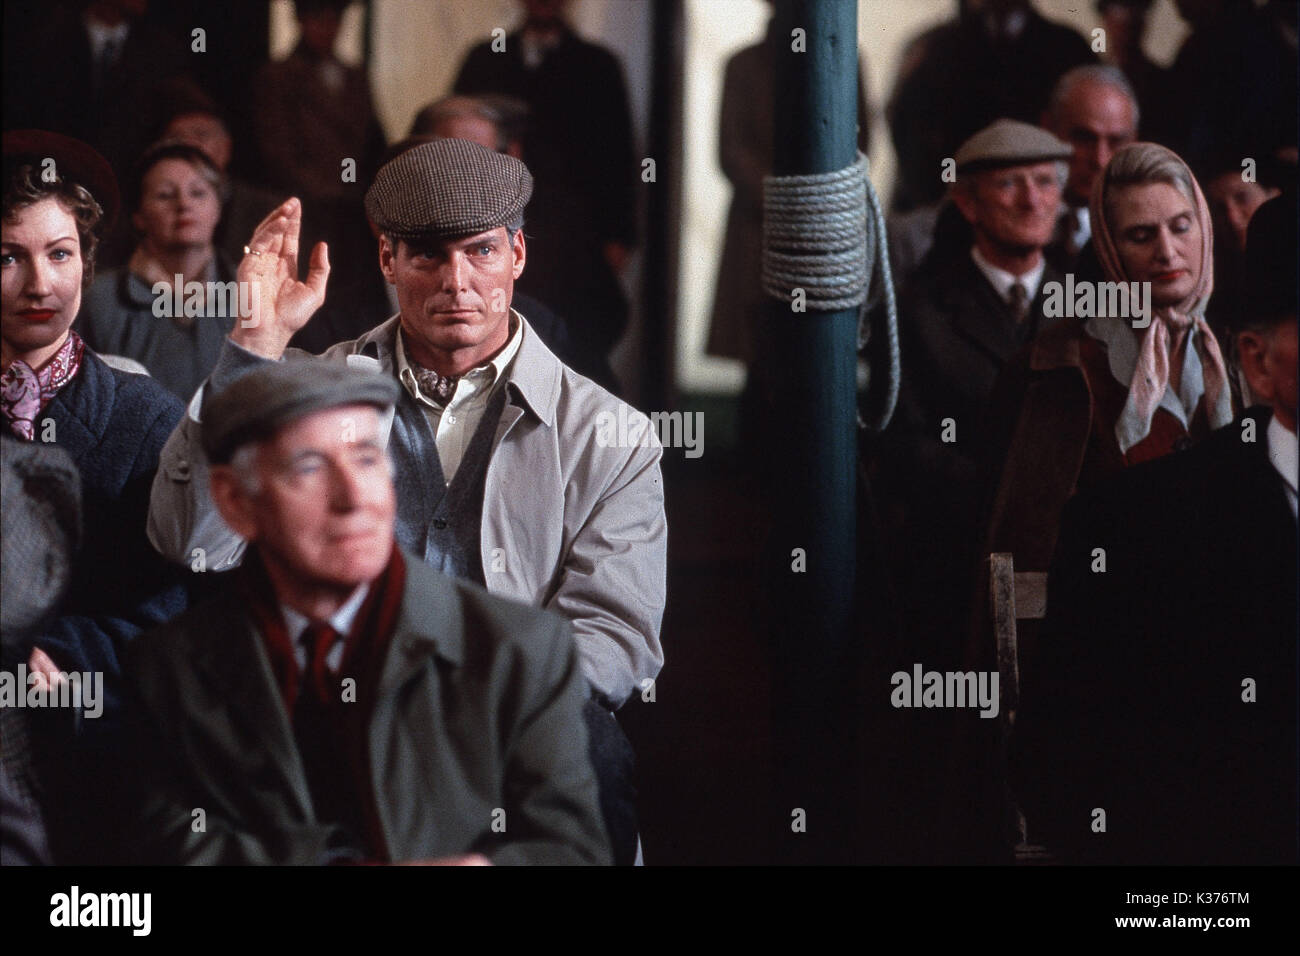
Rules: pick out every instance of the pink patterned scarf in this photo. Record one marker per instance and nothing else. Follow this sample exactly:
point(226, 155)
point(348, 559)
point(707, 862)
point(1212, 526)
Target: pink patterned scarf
point(1151, 374)
point(25, 391)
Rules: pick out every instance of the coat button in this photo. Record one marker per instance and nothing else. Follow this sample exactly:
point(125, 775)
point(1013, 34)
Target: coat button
point(439, 523)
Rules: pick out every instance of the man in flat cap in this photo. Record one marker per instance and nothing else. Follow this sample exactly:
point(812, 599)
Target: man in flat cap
point(500, 477)
point(964, 314)
point(1165, 688)
point(338, 699)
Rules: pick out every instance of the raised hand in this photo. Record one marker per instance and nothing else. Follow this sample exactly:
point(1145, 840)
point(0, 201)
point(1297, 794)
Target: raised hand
point(280, 304)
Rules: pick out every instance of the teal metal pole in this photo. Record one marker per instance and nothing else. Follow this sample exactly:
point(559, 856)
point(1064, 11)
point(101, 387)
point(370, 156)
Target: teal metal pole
point(813, 362)
point(815, 441)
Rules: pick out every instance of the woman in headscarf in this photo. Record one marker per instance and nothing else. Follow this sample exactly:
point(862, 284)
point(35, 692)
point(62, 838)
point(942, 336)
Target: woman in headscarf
point(1102, 392)
point(1097, 393)
point(58, 194)
point(175, 202)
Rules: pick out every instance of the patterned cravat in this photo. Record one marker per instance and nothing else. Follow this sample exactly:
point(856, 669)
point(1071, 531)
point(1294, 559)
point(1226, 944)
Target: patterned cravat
point(438, 387)
point(25, 391)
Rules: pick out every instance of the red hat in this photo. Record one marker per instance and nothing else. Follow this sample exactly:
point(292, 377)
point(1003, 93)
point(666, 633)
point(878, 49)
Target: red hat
point(74, 161)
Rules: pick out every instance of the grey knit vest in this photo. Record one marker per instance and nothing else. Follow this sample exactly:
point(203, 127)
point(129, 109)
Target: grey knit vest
point(441, 522)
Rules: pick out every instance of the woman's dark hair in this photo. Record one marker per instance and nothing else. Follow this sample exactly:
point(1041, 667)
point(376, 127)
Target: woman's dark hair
point(173, 149)
point(25, 186)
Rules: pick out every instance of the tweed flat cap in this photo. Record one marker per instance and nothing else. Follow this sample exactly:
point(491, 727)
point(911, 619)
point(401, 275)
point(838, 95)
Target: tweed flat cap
point(446, 189)
point(254, 406)
point(1009, 143)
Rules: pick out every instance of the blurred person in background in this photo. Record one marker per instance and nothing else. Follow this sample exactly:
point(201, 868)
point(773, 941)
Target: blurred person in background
point(175, 202)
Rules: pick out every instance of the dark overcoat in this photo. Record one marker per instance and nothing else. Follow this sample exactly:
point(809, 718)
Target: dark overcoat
point(1165, 685)
point(476, 742)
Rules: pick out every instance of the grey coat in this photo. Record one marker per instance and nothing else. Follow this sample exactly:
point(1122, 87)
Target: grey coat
point(476, 738)
point(570, 522)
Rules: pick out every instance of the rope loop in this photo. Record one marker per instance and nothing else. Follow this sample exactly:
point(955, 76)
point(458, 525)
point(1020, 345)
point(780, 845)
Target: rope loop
point(815, 238)
point(824, 234)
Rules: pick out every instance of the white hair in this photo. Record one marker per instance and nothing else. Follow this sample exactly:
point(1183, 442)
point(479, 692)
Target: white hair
point(1102, 74)
point(244, 464)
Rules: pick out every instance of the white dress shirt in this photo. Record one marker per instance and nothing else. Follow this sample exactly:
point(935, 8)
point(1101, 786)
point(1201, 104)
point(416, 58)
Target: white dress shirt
point(536, 45)
point(341, 620)
point(101, 36)
point(1080, 227)
point(454, 426)
point(1283, 453)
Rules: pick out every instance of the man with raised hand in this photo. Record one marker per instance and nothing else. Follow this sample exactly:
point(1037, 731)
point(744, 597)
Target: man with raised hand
point(502, 475)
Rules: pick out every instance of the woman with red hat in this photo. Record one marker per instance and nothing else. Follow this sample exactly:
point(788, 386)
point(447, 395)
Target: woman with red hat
point(58, 195)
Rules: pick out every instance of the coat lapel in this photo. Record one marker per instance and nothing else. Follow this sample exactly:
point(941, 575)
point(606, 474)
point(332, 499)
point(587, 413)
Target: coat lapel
point(236, 668)
point(430, 626)
point(1260, 491)
point(430, 621)
point(978, 314)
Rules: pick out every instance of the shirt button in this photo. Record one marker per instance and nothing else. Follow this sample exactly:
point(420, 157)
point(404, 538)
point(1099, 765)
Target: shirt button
point(451, 419)
point(439, 523)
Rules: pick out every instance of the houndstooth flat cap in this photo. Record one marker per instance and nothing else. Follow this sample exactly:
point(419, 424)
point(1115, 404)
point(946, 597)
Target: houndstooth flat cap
point(446, 189)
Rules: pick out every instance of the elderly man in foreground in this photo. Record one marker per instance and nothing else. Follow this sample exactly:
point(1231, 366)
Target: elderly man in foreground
point(338, 700)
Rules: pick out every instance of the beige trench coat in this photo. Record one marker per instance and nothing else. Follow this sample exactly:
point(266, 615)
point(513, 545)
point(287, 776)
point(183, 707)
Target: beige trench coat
point(570, 522)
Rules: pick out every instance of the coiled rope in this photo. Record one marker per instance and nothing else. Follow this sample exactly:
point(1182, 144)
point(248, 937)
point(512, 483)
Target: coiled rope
point(824, 234)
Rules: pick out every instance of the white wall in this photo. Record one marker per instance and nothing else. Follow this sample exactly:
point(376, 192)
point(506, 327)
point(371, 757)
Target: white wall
point(718, 28)
point(418, 46)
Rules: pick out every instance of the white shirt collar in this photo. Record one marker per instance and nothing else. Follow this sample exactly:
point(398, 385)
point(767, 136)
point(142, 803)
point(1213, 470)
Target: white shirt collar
point(1002, 281)
point(341, 620)
point(536, 45)
point(1080, 226)
point(484, 376)
point(1284, 453)
point(100, 34)
point(1008, 27)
